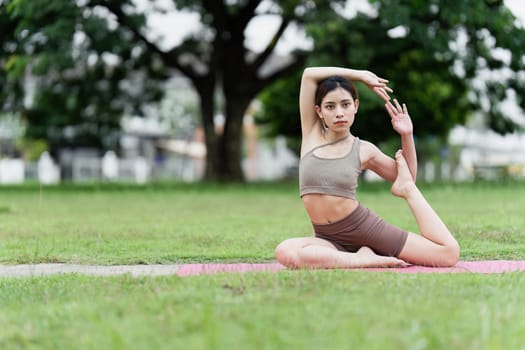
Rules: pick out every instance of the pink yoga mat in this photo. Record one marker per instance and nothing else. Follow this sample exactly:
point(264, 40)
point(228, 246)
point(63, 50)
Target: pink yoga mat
point(486, 266)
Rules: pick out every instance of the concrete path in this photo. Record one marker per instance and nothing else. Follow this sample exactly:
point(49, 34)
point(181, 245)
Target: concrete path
point(51, 269)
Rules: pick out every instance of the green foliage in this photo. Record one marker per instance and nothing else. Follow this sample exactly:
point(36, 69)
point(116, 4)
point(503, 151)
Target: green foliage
point(95, 61)
point(86, 73)
point(92, 61)
point(32, 148)
point(424, 66)
point(279, 113)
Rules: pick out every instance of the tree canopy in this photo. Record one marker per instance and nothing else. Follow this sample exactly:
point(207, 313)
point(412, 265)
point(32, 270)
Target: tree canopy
point(94, 60)
point(74, 75)
point(433, 53)
point(91, 61)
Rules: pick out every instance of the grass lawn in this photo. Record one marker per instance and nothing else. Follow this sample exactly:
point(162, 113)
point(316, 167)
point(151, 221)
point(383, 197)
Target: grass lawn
point(173, 224)
point(259, 310)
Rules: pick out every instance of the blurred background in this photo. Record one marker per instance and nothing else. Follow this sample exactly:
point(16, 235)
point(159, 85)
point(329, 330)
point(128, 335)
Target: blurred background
point(143, 91)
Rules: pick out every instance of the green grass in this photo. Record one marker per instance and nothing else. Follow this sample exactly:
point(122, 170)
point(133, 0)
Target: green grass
point(148, 225)
point(286, 310)
point(181, 223)
point(259, 310)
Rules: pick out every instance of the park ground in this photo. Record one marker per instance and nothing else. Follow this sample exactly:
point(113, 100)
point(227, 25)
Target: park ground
point(178, 223)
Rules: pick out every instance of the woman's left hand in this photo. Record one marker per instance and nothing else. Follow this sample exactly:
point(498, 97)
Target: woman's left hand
point(376, 84)
point(399, 117)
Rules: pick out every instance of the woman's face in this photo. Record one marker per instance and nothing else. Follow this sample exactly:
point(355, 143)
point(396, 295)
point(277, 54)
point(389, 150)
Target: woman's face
point(338, 109)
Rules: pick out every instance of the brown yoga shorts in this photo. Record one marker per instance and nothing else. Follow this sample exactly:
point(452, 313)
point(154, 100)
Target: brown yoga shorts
point(360, 228)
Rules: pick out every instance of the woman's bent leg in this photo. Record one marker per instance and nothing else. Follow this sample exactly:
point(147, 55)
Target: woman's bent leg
point(436, 246)
point(317, 253)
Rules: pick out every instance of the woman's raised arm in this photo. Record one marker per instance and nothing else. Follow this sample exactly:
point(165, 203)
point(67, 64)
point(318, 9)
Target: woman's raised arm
point(313, 75)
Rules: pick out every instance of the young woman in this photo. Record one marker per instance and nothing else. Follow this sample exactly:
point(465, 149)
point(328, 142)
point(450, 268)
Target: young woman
point(348, 235)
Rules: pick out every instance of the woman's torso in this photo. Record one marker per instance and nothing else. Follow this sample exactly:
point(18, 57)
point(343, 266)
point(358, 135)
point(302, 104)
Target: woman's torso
point(327, 208)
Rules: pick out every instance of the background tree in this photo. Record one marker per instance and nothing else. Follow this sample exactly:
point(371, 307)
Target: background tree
point(70, 46)
point(74, 76)
point(431, 51)
point(217, 61)
point(11, 90)
point(94, 61)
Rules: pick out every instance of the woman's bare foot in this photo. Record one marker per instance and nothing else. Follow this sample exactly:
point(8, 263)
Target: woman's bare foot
point(366, 257)
point(404, 183)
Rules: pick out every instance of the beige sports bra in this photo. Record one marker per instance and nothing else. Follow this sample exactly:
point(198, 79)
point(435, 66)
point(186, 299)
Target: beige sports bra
point(332, 176)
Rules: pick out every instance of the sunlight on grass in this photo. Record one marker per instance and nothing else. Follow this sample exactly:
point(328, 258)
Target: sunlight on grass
point(234, 223)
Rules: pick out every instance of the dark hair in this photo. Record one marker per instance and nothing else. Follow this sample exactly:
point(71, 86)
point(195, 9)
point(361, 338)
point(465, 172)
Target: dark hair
point(332, 83)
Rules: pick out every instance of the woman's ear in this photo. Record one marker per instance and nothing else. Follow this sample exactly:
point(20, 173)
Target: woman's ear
point(356, 103)
point(318, 111)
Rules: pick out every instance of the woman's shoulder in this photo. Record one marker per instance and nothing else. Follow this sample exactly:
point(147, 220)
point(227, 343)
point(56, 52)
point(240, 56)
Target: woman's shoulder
point(367, 149)
point(367, 144)
point(364, 143)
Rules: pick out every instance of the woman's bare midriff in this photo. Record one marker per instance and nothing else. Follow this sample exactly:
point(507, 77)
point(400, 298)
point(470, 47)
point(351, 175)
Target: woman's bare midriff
point(325, 209)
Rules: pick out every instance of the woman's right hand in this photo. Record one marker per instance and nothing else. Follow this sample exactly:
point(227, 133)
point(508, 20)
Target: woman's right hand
point(376, 84)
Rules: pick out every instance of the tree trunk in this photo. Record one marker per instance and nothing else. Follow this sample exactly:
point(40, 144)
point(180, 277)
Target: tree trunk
point(231, 141)
point(223, 151)
point(207, 109)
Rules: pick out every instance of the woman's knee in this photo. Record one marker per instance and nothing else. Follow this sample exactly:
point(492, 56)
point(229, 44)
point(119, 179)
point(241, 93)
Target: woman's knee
point(448, 255)
point(451, 253)
point(419, 250)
